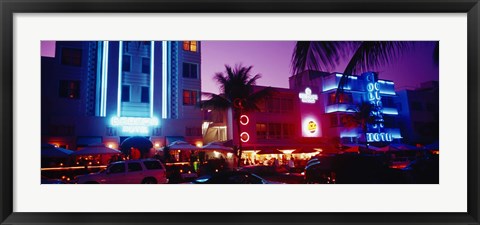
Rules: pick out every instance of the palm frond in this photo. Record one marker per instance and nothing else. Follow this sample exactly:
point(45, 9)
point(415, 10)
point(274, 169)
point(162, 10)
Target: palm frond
point(320, 55)
point(371, 55)
point(253, 99)
point(215, 102)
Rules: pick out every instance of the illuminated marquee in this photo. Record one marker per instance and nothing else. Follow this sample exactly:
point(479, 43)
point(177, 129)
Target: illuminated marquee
point(134, 124)
point(308, 97)
point(378, 137)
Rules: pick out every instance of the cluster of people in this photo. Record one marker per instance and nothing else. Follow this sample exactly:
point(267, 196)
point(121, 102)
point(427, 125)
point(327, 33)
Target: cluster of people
point(275, 162)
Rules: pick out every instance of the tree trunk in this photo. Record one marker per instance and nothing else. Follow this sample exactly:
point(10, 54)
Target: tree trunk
point(237, 120)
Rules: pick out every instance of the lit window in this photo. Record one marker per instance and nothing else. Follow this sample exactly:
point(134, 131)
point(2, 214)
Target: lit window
point(343, 98)
point(145, 95)
point(69, 89)
point(189, 97)
point(125, 93)
point(261, 130)
point(190, 70)
point(126, 63)
point(190, 46)
point(71, 57)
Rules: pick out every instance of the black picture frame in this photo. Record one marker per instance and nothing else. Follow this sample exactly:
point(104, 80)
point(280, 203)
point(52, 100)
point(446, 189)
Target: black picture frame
point(10, 7)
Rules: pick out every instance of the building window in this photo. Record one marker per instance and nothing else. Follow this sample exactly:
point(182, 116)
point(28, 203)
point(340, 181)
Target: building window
point(71, 57)
point(278, 105)
point(193, 131)
point(261, 130)
point(145, 98)
point(126, 61)
point(69, 89)
point(190, 70)
point(189, 97)
point(190, 46)
point(125, 93)
point(145, 65)
point(343, 98)
point(288, 131)
point(275, 131)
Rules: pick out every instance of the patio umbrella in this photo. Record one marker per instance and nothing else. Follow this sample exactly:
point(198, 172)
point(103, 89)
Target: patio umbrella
point(98, 149)
point(269, 151)
point(353, 149)
point(182, 145)
point(216, 146)
point(304, 150)
point(50, 151)
point(141, 143)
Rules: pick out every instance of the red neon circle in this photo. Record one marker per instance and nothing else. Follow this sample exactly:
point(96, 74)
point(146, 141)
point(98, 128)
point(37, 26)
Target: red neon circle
point(244, 137)
point(244, 119)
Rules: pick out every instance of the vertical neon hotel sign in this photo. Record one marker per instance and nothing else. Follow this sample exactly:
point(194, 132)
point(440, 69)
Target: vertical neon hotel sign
point(373, 89)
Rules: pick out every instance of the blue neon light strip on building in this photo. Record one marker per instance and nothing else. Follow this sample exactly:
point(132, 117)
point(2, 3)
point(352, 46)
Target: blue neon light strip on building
point(338, 108)
point(333, 87)
point(389, 111)
point(164, 79)
point(119, 92)
point(152, 62)
point(103, 91)
point(387, 92)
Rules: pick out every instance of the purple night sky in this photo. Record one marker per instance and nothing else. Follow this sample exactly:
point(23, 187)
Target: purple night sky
point(272, 60)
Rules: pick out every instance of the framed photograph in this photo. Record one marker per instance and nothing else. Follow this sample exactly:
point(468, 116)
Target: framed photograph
point(262, 112)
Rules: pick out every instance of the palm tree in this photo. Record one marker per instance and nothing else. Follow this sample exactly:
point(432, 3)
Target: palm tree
point(236, 93)
point(363, 56)
point(362, 116)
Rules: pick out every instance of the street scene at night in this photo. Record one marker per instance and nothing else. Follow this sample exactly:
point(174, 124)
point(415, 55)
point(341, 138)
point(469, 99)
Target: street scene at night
point(239, 112)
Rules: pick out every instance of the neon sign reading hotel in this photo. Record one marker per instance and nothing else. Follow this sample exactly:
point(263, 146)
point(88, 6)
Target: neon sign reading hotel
point(307, 96)
point(373, 89)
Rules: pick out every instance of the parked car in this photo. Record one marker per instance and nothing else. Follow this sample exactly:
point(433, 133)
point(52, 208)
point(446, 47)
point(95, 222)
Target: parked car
point(180, 173)
point(320, 170)
point(232, 177)
point(142, 171)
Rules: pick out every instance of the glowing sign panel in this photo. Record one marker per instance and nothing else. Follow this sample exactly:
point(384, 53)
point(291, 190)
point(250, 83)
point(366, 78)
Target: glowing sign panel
point(134, 121)
point(310, 127)
point(378, 137)
point(134, 124)
point(308, 97)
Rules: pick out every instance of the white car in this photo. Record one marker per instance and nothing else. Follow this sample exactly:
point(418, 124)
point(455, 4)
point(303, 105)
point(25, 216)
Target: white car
point(142, 171)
